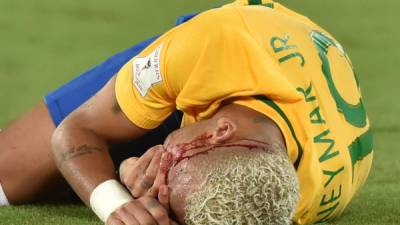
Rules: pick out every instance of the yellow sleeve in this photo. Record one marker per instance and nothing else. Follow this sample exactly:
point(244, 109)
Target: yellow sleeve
point(141, 89)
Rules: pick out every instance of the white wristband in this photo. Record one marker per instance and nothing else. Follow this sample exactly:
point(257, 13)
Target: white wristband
point(107, 197)
point(3, 197)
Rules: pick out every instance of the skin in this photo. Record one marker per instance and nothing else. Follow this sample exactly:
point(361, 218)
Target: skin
point(26, 157)
point(80, 149)
point(230, 125)
point(80, 144)
point(33, 151)
point(154, 197)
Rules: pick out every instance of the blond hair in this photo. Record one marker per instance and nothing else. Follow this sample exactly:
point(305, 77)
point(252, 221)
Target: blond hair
point(245, 188)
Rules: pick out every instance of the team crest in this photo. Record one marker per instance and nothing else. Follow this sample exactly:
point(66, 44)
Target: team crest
point(146, 71)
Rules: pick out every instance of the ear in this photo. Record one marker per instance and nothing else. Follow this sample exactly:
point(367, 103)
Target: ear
point(224, 130)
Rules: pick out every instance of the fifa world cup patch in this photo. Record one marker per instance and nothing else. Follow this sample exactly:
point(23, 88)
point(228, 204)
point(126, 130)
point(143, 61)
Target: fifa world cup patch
point(147, 71)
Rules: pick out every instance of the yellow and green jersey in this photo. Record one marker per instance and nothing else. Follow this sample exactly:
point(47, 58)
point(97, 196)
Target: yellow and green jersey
point(264, 56)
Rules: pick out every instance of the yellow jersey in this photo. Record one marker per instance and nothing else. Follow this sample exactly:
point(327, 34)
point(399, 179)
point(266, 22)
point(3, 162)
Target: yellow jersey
point(264, 56)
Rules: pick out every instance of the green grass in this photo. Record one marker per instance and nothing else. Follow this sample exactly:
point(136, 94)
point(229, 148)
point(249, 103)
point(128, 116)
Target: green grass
point(44, 43)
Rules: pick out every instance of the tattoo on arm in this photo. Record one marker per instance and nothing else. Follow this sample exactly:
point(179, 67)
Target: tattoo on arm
point(116, 108)
point(145, 183)
point(75, 152)
point(152, 203)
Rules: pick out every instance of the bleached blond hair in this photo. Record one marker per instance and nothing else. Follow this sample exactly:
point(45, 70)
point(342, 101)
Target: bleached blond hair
point(251, 188)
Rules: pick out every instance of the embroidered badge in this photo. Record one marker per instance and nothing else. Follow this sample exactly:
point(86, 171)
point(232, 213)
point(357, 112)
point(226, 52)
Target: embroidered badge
point(147, 71)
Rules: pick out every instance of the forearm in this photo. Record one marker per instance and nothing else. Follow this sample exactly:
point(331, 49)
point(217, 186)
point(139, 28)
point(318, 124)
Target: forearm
point(83, 159)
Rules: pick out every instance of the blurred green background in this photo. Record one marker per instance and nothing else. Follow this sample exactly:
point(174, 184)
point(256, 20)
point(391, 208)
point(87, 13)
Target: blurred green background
point(45, 43)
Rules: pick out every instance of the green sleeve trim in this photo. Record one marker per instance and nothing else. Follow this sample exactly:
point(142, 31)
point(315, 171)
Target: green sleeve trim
point(269, 5)
point(361, 147)
point(273, 105)
point(259, 2)
point(255, 2)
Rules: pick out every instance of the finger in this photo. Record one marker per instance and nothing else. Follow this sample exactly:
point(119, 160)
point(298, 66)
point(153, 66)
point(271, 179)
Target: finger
point(161, 175)
point(126, 166)
point(130, 179)
point(166, 161)
point(163, 196)
point(141, 214)
point(114, 221)
point(126, 216)
point(142, 186)
point(138, 170)
point(146, 182)
point(148, 156)
point(157, 211)
point(154, 165)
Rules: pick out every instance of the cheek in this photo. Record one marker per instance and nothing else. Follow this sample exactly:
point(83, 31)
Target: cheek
point(184, 179)
point(180, 184)
point(176, 204)
point(181, 188)
point(179, 180)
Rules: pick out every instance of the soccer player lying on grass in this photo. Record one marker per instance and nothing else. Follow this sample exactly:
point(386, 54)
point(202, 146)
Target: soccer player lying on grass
point(259, 58)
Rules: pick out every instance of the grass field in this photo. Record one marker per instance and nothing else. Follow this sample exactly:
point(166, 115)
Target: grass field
point(45, 43)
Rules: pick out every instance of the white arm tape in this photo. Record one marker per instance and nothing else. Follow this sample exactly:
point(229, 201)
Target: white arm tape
point(107, 197)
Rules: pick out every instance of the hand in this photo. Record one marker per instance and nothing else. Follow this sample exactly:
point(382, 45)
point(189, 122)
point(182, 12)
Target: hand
point(145, 210)
point(142, 211)
point(126, 166)
point(144, 175)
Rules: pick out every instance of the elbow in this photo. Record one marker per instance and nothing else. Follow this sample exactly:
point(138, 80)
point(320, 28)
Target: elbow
point(60, 141)
point(56, 144)
point(69, 137)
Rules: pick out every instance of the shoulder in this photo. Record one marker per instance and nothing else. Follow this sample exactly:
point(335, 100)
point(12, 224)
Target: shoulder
point(214, 21)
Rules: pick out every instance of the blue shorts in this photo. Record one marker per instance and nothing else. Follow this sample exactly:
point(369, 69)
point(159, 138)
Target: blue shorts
point(71, 95)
